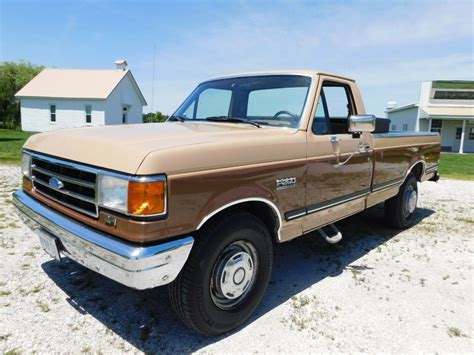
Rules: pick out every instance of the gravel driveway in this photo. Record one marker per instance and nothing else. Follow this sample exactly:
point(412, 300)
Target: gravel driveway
point(378, 290)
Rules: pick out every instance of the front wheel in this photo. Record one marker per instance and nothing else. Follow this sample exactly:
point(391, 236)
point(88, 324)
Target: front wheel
point(400, 209)
point(226, 275)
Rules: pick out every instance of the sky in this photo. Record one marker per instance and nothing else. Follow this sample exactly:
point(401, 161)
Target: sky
point(388, 47)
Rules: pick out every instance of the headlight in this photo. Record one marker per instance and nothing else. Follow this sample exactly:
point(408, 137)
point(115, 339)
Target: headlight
point(26, 165)
point(113, 192)
point(140, 197)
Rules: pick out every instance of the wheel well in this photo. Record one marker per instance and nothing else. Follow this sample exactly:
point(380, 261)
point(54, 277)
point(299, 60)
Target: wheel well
point(261, 210)
point(417, 170)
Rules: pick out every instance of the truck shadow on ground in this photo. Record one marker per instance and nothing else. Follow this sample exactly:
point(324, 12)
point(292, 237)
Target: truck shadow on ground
point(145, 318)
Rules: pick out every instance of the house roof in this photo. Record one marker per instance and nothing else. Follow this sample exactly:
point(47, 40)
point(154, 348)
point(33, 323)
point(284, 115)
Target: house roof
point(401, 108)
point(467, 112)
point(76, 83)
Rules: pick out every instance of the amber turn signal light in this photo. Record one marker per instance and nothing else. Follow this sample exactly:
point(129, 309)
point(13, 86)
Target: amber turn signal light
point(146, 198)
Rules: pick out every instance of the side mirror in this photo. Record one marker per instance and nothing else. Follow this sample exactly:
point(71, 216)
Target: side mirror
point(362, 123)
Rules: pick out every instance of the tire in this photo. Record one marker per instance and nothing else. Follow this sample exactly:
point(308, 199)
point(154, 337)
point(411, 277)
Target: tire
point(400, 209)
point(222, 251)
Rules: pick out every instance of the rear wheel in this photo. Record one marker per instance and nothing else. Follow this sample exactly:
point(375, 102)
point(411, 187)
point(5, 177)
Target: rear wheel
point(226, 275)
point(400, 209)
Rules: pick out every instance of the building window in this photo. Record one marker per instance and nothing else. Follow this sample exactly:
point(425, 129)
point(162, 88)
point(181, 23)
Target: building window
point(458, 132)
point(88, 113)
point(405, 127)
point(436, 126)
point(124, 114)
point(471, 134)
point(52, 113)
point(454, 95)
point(394, 127)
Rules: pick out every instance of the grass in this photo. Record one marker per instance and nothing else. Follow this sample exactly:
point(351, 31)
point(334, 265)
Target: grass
point(10, 145)
point(453, 84)
point(457, 166)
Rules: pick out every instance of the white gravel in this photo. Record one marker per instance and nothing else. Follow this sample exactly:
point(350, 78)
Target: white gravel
point(379, 290)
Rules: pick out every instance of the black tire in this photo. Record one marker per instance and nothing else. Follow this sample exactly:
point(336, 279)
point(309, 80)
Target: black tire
point(191, 294)
point(397, 212)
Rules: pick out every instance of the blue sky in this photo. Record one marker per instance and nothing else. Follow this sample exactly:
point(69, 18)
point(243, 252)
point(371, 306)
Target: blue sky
point(387, 46)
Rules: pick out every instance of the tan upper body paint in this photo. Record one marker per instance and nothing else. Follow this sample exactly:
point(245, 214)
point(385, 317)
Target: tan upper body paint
point(211, 166)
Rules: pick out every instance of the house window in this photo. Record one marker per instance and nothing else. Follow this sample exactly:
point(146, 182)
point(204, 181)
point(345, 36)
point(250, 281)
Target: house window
point(52, 113)
point(394, 127)
point(124, 114)
point(88, 113)
point(436, 126)
point(471, 134)
point(405, 127)
point(458, 132)
point(454, 95)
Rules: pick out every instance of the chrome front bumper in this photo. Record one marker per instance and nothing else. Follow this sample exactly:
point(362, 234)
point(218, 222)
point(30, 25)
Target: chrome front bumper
point(140, 267)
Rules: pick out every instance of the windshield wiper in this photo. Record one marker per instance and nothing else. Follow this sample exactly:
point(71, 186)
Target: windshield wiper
point(232, 120)
point(176, 118)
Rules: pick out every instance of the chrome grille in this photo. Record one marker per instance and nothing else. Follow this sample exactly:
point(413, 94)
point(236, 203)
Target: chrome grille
point(78, 190)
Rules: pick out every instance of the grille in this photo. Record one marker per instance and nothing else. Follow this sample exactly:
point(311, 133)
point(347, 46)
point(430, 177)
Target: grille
point(79, 185)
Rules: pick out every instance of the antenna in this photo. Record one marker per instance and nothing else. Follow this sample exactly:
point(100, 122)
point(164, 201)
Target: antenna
point(153, 81)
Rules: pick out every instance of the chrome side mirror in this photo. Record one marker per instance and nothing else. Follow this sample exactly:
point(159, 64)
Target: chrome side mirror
point(361, 123)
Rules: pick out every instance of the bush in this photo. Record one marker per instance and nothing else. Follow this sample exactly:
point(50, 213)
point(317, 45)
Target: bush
point(151, 117)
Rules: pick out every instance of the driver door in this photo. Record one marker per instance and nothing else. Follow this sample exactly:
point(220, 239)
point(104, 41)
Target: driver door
point(337, 184)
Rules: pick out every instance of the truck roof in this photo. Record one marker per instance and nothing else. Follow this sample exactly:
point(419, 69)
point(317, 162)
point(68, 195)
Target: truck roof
point(306, 72)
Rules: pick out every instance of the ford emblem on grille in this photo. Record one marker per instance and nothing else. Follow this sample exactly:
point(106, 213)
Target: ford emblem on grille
point(55, 183)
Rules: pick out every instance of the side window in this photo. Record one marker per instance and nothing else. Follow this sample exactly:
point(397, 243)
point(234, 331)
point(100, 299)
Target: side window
point(52, 113)
point(88, 113)
point(213, 102)
point(321, 120)
point(333, 110)
point(189, 113)
point(337, 102)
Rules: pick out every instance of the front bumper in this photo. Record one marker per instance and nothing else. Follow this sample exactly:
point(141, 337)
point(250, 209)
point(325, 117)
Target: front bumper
point(136, 266)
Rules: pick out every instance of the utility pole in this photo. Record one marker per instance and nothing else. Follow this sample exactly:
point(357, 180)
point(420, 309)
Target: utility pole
point(153, 82)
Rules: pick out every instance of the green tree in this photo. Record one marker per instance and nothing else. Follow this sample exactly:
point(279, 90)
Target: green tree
point(13, 76)
point(151, 117)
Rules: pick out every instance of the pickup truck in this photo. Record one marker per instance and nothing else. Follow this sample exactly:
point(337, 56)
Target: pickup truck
point(197, 202)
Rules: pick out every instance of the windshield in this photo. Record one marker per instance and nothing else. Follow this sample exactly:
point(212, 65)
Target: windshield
point(274, 100)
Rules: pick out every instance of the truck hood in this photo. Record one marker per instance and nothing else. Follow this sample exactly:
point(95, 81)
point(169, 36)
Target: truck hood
point(170, 147)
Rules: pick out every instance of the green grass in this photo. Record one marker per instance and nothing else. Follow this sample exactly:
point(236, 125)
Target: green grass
point(457, 166)
point(10, 145)
point(453, 84)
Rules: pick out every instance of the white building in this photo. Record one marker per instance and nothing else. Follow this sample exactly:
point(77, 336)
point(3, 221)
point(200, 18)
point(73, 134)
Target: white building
point(68, 98)
point(446, 107)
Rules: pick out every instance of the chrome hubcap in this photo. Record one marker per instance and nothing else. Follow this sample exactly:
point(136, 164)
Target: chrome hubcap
point(233, 275)
point(411, 198)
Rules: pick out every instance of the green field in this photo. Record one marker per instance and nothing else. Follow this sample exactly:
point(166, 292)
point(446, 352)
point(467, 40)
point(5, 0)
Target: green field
point(10, 145)
point(457, 166)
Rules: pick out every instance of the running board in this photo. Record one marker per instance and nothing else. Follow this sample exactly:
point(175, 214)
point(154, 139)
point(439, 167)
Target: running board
point(333, 239)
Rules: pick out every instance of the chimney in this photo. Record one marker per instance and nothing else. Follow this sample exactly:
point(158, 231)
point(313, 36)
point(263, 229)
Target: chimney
point(391, 105)
point(121, 64)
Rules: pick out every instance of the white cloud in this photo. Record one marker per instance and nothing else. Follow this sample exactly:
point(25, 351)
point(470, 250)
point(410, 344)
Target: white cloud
point(383, 45)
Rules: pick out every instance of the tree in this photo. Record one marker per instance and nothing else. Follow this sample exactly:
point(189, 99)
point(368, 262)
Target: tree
point(151, 117)
point(13, 76)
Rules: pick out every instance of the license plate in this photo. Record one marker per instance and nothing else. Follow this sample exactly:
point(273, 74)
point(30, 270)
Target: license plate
point(49, 244)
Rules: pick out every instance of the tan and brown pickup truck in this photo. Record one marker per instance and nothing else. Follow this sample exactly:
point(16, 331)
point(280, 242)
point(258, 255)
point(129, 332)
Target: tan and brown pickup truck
point(197, 202)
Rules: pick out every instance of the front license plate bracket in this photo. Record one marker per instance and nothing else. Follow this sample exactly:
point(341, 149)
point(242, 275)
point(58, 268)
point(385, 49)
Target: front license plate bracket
point(50, 244)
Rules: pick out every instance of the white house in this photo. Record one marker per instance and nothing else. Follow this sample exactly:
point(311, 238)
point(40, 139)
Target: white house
point(446, 107)
point(67, 98)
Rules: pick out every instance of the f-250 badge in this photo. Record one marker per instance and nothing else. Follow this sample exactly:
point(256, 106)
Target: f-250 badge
point(285, 183)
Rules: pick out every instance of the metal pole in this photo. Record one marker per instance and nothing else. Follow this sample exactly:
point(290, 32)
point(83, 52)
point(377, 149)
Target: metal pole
point(461, 146)
point(153, 82)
